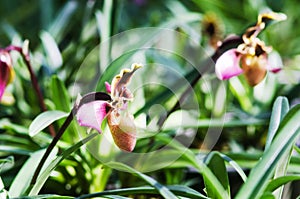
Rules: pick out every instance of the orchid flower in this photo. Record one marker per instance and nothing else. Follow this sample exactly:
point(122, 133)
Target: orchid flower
point(250, 57)
point(114, 107)
point(6, 70)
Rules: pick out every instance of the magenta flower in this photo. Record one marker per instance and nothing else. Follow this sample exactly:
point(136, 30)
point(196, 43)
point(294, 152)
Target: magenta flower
point(250, 57)
point(90, 113)
point(6, 71)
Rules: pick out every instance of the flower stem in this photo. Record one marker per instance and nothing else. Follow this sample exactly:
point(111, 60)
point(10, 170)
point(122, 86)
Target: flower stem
point(34, 81)
point(51, 146)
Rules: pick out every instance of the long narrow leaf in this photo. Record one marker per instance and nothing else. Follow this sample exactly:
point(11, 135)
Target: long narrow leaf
point(235, 166)
point(198, 164)
point(278, 182)
point(280, 108)
point(178, 190)
point(217, 165)
point(22, 180)
point(45, 119)
point(46, 173)
point(259, 176)
point(164, 191)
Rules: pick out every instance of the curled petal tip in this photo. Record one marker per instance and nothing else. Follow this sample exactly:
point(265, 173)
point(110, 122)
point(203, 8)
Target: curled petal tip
point(271, 16)
point(227, 65)
point(136, 66)
point(276, 70)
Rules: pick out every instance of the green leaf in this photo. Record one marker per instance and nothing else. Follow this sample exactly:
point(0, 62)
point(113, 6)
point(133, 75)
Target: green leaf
point(278, 182)
point(217, 165)
point(63, 19)
point(116, 197)
point(179, 190)
point(164, 191)
point(45, 119)
point(259, 176)
point(60, 95)
point(267, 195)
point(198, 164)
point(46, 196)
point(8, 160)
point(3, 192)
point(47, 171)
point(280, 108)
point(235, 166)
point(53, 54)
point(22, 180)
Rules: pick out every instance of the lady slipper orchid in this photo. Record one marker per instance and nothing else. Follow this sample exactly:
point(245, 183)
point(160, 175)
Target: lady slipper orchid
point(250, 57)
point(90, 113)
point(6, 71)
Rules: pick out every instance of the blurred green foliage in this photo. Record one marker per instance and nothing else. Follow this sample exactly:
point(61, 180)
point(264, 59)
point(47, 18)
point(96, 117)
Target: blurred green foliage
point(66, 40)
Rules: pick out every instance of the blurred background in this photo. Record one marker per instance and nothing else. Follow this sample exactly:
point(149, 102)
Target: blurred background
point(63, 36)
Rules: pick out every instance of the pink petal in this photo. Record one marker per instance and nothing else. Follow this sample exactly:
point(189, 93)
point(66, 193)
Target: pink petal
point(274, 62)
point(108, 87)
point(2, 87)
point(5, 72)
point(227, 65)
point(92, 114)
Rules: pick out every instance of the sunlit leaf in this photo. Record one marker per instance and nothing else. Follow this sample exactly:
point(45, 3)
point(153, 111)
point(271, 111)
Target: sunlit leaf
point(45, 119)
point(259, 176)
point(23, 178)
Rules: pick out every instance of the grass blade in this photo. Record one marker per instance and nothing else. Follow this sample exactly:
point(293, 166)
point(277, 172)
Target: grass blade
point(46, 173)
point(259, 176)
point(280, 108)
point(278, 182)
point(22, 180)
point(164, 191)
point(217, 165)
point(176, 189)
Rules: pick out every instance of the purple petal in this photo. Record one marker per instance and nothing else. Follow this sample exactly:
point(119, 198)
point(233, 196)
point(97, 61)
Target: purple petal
point(92, 114)
point(2, 87)
point(227, 65)
point(108, 87)
point(5, 71)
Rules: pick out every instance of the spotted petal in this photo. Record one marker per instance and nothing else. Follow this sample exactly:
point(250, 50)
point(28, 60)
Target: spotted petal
point(92, 114)
point(123, 129)
point(227, 65)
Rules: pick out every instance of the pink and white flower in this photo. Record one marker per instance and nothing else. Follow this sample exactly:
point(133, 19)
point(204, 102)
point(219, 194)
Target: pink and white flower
point(91, 112)
point(251, 57)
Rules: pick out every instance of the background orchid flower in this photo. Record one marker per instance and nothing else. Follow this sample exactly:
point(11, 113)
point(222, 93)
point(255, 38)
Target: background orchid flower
point(6, 70)
point(91, 112)
point(250, 57)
